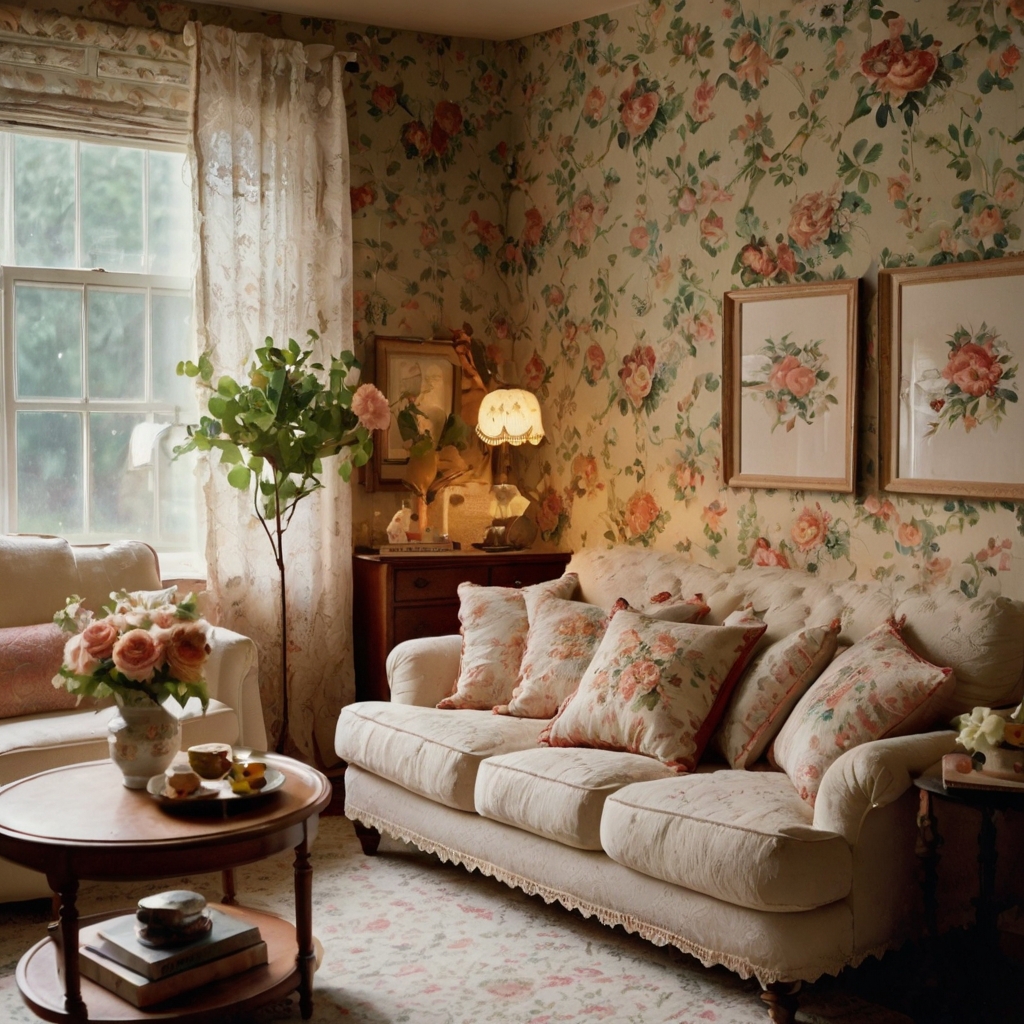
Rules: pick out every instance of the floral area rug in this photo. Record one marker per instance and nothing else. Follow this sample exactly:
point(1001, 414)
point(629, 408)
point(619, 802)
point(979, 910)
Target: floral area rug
point(408, 939)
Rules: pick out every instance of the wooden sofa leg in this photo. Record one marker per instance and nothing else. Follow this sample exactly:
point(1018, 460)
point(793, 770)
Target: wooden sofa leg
point(782, 1001)
point(369, 838)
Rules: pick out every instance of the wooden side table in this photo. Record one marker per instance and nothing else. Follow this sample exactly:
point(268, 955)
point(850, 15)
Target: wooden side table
point(987, 802)
point(403, 597)
point(79, 822)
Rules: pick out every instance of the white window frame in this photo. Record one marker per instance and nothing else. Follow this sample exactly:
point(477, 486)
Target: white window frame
point(82, 279)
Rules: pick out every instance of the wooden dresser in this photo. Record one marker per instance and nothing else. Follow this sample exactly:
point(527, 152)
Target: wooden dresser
point(402, 597)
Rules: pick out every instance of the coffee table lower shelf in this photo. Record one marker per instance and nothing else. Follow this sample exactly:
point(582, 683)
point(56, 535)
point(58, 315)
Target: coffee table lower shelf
point(43, 990)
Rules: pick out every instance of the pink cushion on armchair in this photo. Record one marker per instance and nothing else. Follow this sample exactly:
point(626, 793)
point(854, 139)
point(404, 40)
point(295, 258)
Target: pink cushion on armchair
point(30, 656)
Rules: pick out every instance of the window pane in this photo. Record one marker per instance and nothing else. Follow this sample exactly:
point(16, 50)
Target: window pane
point(117, 344)
point(120, 498)
point(170, 214)
point(49, 446)
point(44, 202)
point(172, 331)
point(177, 491)
point(112, 202)
point(48, 341)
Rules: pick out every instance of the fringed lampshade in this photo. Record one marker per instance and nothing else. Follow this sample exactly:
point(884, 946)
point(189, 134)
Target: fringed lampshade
point(510, 416)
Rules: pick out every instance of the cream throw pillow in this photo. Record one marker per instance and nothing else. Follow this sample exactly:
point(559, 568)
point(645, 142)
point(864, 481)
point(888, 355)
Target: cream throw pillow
point(878, 687)
point(562, 639)
point(655, 688)
point(768, 690)
point(494, 628)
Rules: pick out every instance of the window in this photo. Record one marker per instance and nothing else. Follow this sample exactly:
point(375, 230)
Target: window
point(95, 246)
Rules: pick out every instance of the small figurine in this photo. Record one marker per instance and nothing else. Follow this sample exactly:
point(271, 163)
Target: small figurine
point(398, 528)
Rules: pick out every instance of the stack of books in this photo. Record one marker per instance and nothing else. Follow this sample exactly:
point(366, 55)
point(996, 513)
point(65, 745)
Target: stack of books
point(111, 955)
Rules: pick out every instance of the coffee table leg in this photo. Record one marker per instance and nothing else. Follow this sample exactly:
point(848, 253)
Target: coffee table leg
point(227, 885)
point(74, 1005)
point(304, 924)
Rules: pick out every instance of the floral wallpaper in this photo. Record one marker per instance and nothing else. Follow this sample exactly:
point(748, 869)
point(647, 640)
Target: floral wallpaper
point(584, 198)
point(674, 151)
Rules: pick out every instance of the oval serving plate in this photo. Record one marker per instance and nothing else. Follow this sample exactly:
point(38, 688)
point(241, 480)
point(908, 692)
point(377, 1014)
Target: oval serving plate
point(218, 791)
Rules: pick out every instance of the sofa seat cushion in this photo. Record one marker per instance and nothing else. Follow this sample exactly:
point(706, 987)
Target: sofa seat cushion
point(36, 743)
point(743, 837)
point(559, 793)
point(429, 751)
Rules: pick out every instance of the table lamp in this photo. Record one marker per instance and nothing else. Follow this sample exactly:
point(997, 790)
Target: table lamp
point(508, 416)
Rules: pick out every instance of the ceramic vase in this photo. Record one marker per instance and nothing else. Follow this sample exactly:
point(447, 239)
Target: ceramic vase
point(143, 739)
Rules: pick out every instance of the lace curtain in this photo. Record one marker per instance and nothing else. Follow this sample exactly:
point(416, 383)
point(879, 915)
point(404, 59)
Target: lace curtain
point(270, 166)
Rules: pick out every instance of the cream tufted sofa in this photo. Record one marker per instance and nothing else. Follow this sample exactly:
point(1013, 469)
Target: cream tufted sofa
point(37, 574)
point(730, 866)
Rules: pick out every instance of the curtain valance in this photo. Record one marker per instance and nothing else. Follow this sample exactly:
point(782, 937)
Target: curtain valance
point(72, 74)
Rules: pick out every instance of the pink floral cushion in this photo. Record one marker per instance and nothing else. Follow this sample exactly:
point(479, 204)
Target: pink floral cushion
point(30, 656)
point(662, 607)
point(494, 628)
point(655, 688)
point(878, 687)
point(563, 638)
point(776, 679)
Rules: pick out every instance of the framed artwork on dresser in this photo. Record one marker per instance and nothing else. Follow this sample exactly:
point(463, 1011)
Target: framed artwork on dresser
point(951, 344)
point(789, 396)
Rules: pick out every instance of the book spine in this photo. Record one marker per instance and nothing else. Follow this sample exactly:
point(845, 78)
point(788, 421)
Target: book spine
point(183, 961)
point(142, 992)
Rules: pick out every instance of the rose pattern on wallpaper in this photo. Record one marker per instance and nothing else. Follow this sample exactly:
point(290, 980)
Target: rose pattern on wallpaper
point(977, 381)
point(492, 184)
point(795, 384)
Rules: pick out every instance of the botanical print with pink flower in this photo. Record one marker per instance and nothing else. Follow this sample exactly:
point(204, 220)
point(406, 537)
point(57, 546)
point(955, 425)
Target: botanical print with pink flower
point(878, 687)
point(976, 382)
point(793, 382)
point(655, 688)
point(559, 646)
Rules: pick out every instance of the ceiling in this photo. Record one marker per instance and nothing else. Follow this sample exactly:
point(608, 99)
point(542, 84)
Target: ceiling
point(480, 19)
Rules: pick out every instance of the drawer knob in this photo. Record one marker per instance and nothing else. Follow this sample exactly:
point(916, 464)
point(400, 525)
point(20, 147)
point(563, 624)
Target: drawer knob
point(517, 583)
point(420, 582)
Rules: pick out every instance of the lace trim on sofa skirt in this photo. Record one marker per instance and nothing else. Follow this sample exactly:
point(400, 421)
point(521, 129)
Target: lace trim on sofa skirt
point(652, 933)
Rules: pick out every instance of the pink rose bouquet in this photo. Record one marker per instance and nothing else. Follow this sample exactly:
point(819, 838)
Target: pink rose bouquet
point(145, 645)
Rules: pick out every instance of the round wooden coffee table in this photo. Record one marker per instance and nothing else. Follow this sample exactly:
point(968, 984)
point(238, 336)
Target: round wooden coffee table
point(80, 823)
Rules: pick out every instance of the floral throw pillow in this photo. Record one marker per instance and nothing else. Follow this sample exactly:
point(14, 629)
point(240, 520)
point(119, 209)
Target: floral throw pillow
point(562, 639)
point(878, 687)
point(30, 656)
point(494, 628)
point(776, 679)
point(655, 688)
point(662, 607)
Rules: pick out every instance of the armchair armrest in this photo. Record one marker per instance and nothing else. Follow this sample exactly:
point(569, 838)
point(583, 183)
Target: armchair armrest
point(424, 671)
point(873, 775)
point(232, 677)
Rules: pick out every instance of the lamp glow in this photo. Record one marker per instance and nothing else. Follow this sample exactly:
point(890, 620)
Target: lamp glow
point(510, 416)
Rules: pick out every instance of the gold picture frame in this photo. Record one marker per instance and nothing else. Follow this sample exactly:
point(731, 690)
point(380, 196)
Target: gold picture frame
point(951, 341)
point(789, 386)
point(411, 370)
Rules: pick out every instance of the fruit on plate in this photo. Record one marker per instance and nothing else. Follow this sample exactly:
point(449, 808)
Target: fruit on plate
point(180, 782)
point(247, 777)
point(210, 760)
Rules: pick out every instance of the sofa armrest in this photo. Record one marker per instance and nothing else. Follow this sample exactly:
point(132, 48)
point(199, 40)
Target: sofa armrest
point(873, 775)
point(232, 677)
point(424, 671)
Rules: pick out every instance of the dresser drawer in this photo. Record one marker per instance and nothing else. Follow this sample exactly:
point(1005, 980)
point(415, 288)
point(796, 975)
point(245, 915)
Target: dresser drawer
point(413, 622)
point(425, 584)
point(524, 575)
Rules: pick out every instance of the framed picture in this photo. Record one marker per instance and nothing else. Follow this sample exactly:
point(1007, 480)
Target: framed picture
point(951, 341)
point(789, 374)
point(423, 375)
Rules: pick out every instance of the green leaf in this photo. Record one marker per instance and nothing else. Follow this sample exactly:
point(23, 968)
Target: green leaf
point(239, 477)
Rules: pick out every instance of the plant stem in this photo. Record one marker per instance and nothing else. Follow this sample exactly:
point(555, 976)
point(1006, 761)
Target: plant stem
point(279, 556)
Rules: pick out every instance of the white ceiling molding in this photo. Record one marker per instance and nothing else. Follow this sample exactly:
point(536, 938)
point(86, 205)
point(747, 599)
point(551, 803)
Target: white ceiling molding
point(473, 19)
